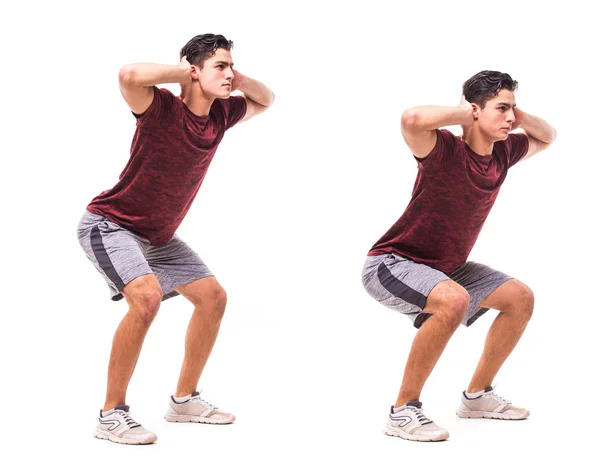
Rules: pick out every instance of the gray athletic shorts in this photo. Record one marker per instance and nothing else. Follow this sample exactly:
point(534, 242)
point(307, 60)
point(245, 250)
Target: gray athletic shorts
point(403, 285)
point(121, 256)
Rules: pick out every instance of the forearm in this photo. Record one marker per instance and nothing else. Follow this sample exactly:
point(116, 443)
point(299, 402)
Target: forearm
point(431, 117)
point(256, 91)
point(150, 74)
point(537, 128)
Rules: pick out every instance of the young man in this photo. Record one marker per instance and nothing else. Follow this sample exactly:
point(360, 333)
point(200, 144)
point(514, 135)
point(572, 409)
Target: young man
point(419, 266)
point(128, 232)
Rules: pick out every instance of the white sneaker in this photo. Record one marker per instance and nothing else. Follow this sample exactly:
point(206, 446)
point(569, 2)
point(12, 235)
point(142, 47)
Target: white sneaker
point(195, 409)
point(116, 425)
point(409, 422)
point(489, 405)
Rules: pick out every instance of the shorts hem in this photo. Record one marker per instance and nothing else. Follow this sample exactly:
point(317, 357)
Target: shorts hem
point(173, 293)
point(481, 310)
point(476, 316)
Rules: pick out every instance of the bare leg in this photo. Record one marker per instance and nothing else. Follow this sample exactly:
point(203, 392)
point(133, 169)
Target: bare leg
point(448, 302)
point(143, 296)
point(515, 301)
point(209, 299)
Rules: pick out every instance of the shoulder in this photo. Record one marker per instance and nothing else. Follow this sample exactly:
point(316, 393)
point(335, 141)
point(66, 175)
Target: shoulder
point(167, 98)
point(162, 105)
point(446, 144)
point(228, 105)
point(448, 137)
point(229, 111)
point(515, 142)
point(512, 141)
point(513, 148)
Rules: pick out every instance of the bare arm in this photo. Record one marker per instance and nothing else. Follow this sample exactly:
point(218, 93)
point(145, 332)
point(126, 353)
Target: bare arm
point(258, 97)
point(419, 124)
point(539, 132)
point(137, 80)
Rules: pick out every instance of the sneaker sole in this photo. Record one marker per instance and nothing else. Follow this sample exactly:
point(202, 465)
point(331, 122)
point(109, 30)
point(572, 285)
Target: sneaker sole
point(115, 439)
point(390, 431)
point(490, 415)
point(197, 419)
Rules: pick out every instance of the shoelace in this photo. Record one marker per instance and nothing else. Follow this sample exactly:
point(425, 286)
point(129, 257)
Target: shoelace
point(497, 397)
point(131, 423)
point(420, 415)
point(198, 399)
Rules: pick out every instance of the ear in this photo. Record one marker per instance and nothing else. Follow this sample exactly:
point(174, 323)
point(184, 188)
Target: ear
point(195, 72)
point(476, 111)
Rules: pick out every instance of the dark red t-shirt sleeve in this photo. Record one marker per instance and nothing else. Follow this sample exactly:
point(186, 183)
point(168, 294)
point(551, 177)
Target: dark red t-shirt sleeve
point(444, 143)
point(234, 109)
point(517, 146)
point(161, 107)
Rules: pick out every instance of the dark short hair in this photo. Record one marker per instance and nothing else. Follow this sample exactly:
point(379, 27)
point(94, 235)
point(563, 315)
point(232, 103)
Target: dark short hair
point(204, 46)
point(486, 85)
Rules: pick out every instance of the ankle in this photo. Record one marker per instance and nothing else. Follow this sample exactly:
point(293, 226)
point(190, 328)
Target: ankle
point(182, 399)
point(402, 401)
point(109, 405)
point(179, 394)
point(475, 391)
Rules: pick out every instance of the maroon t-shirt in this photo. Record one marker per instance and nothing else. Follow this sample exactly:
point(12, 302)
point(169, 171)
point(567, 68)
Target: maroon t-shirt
point(170, 154)
point(453, 195)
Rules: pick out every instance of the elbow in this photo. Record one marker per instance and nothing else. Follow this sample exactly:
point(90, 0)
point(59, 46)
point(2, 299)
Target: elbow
point(268, 101)
point(548, 138)
point(410, 119)
point(127, 75)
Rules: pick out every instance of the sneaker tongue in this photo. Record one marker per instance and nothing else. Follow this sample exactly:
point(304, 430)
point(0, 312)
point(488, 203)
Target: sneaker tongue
point(488, 389)
point(416, 404)
point(194, 394)
point(124, 408)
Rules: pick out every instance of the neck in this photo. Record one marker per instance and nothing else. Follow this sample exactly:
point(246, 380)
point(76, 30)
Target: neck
point(477, 141)
point(197, 101)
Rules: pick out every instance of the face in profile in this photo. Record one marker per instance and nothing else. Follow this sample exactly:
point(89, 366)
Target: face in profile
point(496, 119)
point(216, 76)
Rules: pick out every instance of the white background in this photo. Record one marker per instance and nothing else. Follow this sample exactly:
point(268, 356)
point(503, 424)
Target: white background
point(292, 202)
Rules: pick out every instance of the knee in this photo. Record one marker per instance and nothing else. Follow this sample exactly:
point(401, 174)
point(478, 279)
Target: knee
point(211, 300)
point(523, 300)
point(146, 304)
point(453, 305)
point(218, 300)
point(457, 307)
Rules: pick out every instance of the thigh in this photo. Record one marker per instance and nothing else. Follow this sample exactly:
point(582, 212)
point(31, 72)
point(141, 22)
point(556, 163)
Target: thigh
point(117, 253)
point(401, 284)
point(480, 281)
point(509, 297)
point(176, 264)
